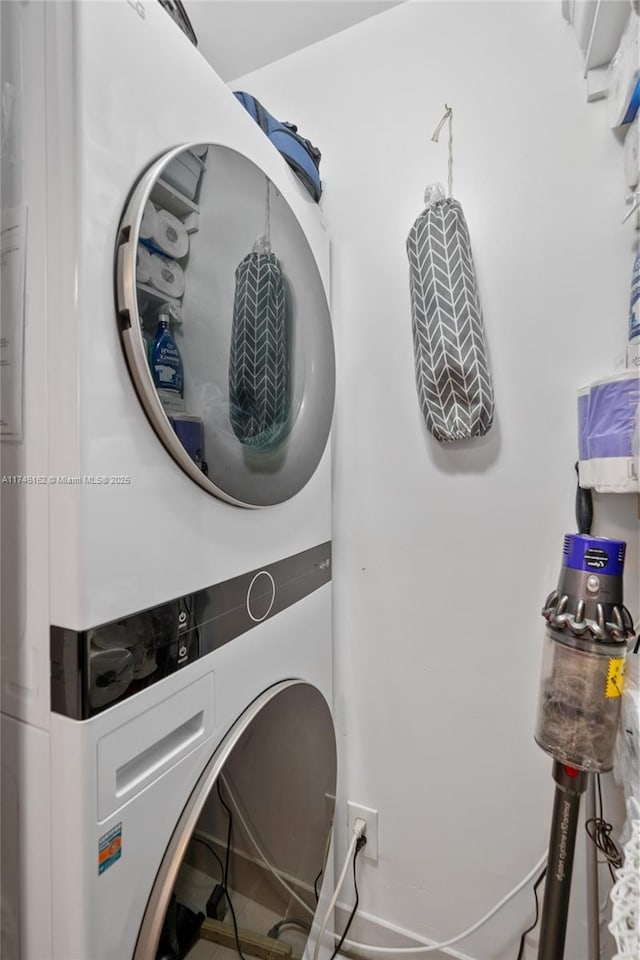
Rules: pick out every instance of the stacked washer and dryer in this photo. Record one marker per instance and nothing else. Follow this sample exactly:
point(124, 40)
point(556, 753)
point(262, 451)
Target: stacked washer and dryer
point(166, 612)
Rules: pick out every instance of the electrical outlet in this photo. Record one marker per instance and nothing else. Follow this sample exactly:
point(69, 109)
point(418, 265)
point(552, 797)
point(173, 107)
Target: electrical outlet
point(354, 810)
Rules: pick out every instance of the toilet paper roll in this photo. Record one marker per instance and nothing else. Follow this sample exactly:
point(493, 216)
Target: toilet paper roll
point(167, 276)
point(623, 76)
point(143, 265)
point(148, 224)
point(632, 153)
point(169, 235)
point(612, 433)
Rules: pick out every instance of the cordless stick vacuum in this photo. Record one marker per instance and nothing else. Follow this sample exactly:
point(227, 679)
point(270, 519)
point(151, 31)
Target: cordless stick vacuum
point(579, 704)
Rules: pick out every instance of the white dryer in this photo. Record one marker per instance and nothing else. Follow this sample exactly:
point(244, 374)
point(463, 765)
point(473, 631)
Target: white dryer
point(169, 569)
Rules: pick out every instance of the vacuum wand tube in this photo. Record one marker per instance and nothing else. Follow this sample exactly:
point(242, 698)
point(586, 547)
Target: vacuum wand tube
point(570, 784)
point(581, 685)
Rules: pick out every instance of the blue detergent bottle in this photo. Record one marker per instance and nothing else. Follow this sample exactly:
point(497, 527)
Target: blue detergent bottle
point(166, 362)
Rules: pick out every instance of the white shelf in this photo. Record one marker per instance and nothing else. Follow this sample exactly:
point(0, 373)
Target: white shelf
point(608, 24)
point(157, 294)
point(172, 200)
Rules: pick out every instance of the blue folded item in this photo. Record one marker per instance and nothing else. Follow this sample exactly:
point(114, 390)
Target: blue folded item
point(300, 154)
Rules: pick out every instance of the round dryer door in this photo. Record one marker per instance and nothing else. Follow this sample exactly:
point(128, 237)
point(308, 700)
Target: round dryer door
point(225, 325)
point(248, 861)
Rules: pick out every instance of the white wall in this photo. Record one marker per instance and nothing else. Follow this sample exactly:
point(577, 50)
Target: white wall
point(444, 555)
point(236, 36)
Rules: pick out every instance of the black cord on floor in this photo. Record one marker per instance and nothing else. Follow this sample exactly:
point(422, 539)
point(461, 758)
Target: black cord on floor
point(359, 845)
point(213, 853)
point(224, 868)
point(541, 877)
point(315, 885)
point(226, 874)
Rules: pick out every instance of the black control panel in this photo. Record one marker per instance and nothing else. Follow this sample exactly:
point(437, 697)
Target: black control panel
point(96, 668)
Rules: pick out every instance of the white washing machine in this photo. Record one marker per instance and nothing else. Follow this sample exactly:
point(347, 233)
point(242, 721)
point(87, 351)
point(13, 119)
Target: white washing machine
point(166, 523)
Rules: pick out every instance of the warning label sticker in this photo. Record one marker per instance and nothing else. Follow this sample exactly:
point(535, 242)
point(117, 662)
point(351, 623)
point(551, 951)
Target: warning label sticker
point(615, 678)
point(109, 848)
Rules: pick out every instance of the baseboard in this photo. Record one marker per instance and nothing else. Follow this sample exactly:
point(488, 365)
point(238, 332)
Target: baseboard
point(367, 929)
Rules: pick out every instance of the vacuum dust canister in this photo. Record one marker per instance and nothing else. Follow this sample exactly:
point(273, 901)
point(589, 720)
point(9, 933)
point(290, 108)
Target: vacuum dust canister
point(585, 646)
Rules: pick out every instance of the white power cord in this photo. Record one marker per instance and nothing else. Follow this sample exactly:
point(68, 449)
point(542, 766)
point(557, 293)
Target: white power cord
point(461, 936)
point(367, 946)
point(260, 851)
point(625, 896)
point(359, 829)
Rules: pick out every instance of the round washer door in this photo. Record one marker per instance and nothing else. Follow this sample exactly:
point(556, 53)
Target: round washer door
point(249, 855)
point(225, 325)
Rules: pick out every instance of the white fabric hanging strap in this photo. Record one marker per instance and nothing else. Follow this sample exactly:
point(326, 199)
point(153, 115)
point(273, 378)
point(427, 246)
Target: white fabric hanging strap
point(448, 115)
point(267, 213)
point(263, 243)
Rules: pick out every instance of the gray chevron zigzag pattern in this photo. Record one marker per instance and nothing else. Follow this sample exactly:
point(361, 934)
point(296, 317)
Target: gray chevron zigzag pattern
point(258, 358)
point(451, 364)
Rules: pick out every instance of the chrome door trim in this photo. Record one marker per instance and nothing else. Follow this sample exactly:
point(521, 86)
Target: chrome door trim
point(135, 350)
point(129, 322)
point(160, 896)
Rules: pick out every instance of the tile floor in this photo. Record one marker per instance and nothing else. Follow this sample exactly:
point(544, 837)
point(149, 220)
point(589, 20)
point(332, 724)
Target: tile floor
point(193, 888)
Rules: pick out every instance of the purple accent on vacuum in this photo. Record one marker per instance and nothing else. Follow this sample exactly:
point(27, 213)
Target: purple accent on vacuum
point(594, 554)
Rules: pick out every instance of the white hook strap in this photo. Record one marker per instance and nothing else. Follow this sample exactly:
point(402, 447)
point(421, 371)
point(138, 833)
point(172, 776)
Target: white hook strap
point(267, 212)
point(634, 200)
point(448, 115)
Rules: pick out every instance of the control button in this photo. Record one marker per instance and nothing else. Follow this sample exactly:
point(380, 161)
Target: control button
point(260, 596)
point(182, 652)
point(593, 584)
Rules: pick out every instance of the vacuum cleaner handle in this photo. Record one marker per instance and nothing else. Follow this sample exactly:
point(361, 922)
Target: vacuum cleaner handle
point(584, 508)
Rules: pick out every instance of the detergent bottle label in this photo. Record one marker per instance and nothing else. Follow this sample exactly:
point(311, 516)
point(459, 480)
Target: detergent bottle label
point(167, 363)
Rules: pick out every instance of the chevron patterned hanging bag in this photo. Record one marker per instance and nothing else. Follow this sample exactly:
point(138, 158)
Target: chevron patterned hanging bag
point(259, 354)
point(451, 364)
